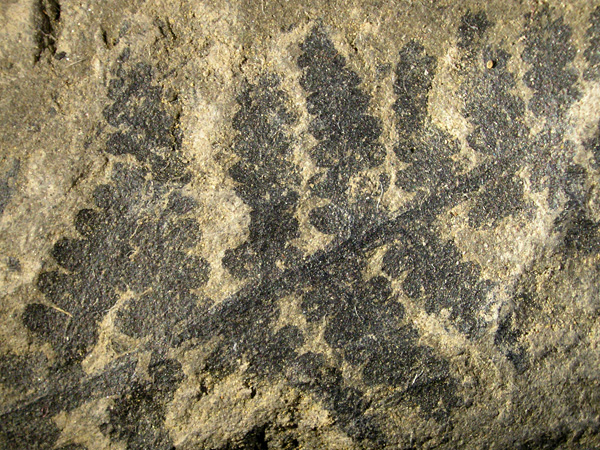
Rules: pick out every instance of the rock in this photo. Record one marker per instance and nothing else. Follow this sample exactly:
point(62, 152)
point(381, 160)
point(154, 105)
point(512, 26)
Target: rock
point(278, 225)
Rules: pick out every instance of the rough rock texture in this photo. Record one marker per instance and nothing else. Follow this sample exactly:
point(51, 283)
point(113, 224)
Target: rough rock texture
point(278, 224)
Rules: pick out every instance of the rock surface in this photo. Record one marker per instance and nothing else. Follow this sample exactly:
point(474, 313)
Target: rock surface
point(280, 224)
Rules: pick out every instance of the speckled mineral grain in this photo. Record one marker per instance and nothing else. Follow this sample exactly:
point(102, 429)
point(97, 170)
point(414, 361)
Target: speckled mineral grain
point(276, 224)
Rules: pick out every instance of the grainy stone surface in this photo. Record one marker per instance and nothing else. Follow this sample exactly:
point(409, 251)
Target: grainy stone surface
point(285, 224)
